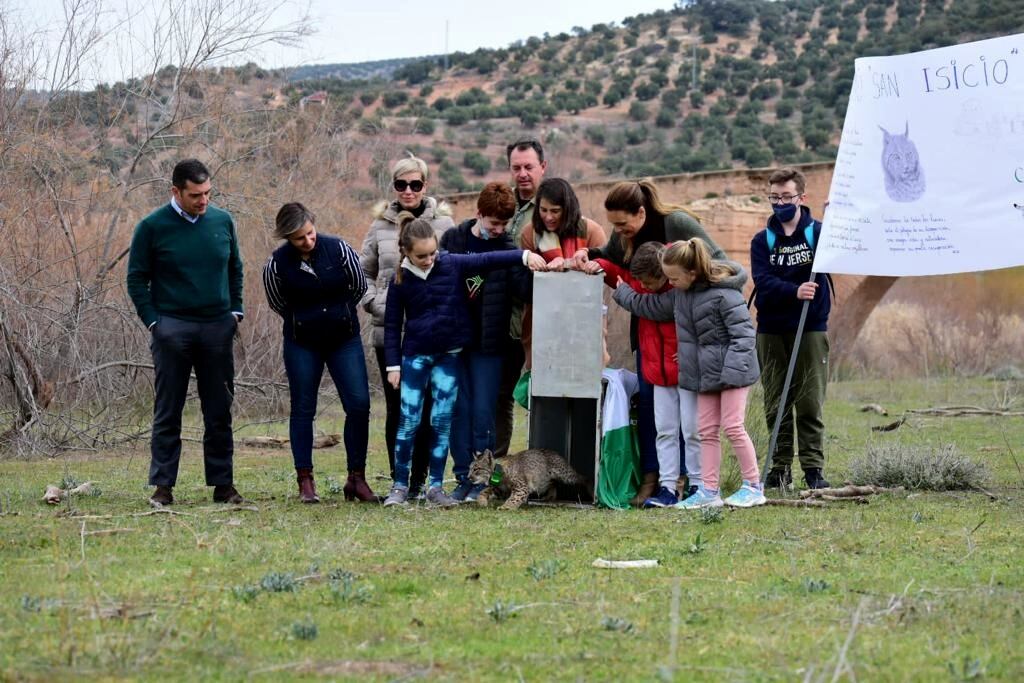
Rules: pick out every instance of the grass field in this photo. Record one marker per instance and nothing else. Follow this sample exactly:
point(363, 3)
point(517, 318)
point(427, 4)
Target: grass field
point(927, 586)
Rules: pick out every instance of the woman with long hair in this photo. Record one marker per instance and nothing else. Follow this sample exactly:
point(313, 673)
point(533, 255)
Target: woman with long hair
point(638, 215)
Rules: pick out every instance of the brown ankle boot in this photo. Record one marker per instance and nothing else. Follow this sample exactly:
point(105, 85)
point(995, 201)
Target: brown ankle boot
point(647, 489)
point(357, 488)
point(307, 489)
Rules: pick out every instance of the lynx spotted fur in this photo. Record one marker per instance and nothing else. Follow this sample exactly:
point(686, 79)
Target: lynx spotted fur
point(533, 471)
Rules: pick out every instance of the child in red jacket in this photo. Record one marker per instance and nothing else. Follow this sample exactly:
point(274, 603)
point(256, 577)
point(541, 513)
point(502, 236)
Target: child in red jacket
point(675, 408)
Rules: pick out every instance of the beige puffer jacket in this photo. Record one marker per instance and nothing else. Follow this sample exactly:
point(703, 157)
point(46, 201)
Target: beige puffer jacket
point(379, 255)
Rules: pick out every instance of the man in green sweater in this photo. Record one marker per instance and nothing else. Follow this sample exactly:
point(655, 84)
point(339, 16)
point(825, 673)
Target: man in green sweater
point(185, 279)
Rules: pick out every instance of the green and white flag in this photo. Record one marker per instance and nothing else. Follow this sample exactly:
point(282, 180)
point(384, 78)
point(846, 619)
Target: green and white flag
point(619, 474)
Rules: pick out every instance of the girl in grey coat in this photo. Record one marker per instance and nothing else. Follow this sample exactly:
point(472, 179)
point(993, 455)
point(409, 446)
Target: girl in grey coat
point(716, 359)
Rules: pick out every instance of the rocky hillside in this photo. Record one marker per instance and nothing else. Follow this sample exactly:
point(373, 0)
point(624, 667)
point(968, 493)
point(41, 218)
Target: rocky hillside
point(708, 84)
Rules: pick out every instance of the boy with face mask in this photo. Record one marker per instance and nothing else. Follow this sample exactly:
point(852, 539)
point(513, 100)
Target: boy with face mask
point(781, 260)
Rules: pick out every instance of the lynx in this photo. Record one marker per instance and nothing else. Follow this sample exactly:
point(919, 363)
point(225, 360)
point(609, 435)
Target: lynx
point(520, 474)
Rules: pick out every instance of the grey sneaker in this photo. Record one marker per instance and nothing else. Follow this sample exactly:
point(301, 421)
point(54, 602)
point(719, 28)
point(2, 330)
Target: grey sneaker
point(436, 497)
point(397, 496)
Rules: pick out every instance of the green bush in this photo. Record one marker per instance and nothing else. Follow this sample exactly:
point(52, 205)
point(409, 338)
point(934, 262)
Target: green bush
point(647, 91)
point(395, 98)
point(476, 162)
point(638, 111)
point(474, 95)
point(636, 135)
point(456, 116)
point(595, 135)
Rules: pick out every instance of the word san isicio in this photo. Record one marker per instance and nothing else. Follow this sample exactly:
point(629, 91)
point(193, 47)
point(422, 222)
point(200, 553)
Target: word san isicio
point(979, 74)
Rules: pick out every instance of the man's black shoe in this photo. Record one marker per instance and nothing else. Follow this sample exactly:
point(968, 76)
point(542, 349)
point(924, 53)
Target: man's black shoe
point(814, 479)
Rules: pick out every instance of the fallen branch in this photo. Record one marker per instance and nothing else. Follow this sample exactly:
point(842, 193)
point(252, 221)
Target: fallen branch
point(108, 532)
point(156, 511)
point(790, 502)
point(262, 441)
point(322, 441)
point(961, 411)
point(874, 408)
point(849, 491)
point(891, 427)
point(860, 500)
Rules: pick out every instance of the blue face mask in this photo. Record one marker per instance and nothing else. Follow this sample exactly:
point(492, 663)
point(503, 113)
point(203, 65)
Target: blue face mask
point(485, 234)
point(785, 212)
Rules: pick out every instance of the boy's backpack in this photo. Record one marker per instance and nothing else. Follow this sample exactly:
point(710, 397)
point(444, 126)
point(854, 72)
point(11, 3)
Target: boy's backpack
point(809, 236)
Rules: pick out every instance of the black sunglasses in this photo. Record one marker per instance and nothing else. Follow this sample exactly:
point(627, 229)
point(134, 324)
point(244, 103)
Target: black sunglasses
point(414, 185)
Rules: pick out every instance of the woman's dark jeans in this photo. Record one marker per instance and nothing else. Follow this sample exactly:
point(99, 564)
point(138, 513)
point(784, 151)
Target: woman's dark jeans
point(647, 434)
point(347, 366)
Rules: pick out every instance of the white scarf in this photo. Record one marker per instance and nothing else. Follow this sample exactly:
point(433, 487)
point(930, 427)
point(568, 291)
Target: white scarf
point(416, 270)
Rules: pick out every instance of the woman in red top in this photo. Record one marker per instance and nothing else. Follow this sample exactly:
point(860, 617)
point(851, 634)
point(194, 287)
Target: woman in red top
point(560, 234)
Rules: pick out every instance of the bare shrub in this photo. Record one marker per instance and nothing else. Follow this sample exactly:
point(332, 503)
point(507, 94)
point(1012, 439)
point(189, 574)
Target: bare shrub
point(909, 340)
point(927, 468)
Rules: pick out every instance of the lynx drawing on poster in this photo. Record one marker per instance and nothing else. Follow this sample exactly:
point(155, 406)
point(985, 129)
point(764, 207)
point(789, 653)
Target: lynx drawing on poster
point(901, 166)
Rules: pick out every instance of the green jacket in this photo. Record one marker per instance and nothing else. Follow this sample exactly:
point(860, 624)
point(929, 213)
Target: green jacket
point(679, 226)
point(191, 271)
point(520, 219)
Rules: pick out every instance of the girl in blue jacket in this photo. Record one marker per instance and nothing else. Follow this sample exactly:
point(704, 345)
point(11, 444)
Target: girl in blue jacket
point(426, 325)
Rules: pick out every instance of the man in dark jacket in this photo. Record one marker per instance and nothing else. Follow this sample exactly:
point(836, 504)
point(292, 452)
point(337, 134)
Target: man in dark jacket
point(490, 296)
point(781, 260)
point(185, 279)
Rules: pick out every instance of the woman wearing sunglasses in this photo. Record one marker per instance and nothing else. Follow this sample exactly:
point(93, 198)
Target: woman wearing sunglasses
point(379, 259)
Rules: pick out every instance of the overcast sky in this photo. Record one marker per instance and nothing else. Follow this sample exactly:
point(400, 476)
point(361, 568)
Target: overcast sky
point(366, 30)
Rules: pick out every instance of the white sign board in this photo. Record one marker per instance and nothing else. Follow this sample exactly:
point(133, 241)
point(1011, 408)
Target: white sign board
point(929, 177)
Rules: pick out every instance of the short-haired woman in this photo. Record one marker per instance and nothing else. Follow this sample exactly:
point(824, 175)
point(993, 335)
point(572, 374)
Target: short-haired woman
point(314, 282)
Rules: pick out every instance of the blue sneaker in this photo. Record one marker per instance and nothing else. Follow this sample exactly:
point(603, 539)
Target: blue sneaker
point(701, 499)
point(665, 498)
point(462, 490)
point(475, 492)
point(748, 496)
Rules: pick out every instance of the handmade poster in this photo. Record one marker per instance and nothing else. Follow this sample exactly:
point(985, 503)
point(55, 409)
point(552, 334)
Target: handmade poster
point(929, 177)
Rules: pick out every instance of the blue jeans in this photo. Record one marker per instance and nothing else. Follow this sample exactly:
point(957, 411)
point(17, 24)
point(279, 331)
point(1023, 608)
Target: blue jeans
point(440, 374)
point(646, 432)
point(347, 365)
point(475, 410)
